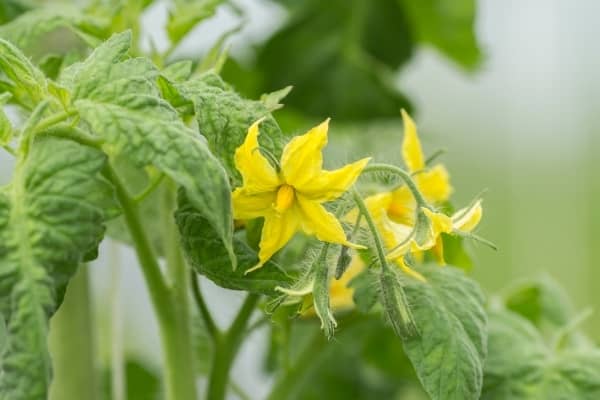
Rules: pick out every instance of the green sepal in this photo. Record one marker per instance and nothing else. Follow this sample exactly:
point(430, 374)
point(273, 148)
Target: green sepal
point(395, 305)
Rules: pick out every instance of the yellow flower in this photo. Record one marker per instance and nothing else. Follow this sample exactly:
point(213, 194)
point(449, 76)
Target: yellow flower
point(433, 183)
point(289, 199)
point(395, 212)
point(462, 221)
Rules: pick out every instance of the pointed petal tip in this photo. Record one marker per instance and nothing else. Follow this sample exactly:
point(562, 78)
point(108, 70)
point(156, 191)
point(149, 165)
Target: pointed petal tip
point(259, 265)
point(256, 123)
point(325, 124)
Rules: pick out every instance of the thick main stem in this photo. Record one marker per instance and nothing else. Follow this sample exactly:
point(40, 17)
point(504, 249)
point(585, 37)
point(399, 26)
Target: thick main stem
point(179, 374)
point(177, 273)
point(226, 349)
point(72, 343)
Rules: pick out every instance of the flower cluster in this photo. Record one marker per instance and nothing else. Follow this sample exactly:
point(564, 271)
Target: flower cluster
point(289, 194)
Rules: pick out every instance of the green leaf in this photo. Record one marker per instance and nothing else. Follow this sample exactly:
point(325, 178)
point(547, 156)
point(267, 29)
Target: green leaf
point(541, 301)
point(51, 218)
point(449, 25)
point(26, 83)
point(187, 14)
point(521, 366)
point(449, 351)
point(178, 71)
point(44, 30)
point(119, 100)
point(272, 101)
point(340, 58)
point(206, 254)
point(224, 118)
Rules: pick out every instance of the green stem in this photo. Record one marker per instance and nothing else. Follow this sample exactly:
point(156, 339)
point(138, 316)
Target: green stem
point(177, 273)
point(179, 376)
point(72, 343)
point(405, 176)
point(117, 358)
point(362, 207)
point(211, 327)
point(54, 119)
point(149, 189)
point(226, 349)
point(76, 135)
point(392, 294)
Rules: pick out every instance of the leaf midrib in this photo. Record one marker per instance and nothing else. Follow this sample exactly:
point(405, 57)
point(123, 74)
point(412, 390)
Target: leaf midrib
point(26, 261)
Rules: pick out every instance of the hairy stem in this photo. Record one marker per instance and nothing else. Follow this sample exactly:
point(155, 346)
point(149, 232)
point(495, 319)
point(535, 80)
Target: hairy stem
point(179, 377)
point(360, 203)
point(226, 349)
point(405, 176)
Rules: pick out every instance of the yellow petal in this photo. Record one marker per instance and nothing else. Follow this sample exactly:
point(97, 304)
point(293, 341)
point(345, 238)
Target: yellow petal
point(438, 251)
point(329, 185)
point(434, 184)
point(321, 223)
point(248, 206)
point(396, 238)
point(340, 294)
point(378, 204)
point(402, 206)
point(277, 230)
point(257, 173)
point(411, 146)
point(302, 160)
point(465, 220)
point(440, 223)
point(408, 270)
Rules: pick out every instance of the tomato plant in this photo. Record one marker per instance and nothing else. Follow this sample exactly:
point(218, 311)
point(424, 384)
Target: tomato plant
point(165, 154)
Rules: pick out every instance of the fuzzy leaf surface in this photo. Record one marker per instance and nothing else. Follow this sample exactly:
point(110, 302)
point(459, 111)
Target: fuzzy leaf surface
point(224, 118)
point(118, 97)
point(206, 254)
point(20, 77)
point(51, 219)
point(449, 352)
